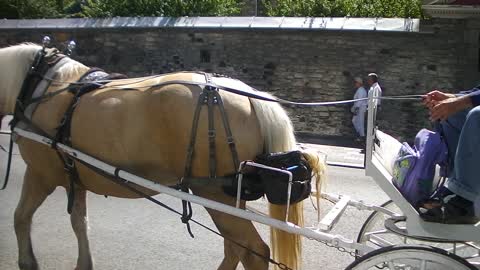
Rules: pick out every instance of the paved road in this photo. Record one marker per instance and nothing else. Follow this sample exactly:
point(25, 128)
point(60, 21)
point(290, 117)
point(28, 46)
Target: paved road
point(135, 234)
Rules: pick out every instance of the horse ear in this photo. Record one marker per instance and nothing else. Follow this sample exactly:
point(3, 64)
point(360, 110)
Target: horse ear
point(70, 48)
point(46, 40)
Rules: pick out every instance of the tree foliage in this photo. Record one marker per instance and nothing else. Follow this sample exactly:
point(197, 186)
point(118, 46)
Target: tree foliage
point(27, 9)
point(172, 8)
point(341, 8)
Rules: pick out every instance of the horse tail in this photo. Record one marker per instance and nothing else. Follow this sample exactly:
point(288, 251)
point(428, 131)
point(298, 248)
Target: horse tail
point(319, 168)
point(278, 134)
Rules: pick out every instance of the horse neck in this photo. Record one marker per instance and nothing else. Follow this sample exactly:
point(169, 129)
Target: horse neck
point(15, 63)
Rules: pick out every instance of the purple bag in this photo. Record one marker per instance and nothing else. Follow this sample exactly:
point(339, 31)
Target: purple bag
point(414, 168)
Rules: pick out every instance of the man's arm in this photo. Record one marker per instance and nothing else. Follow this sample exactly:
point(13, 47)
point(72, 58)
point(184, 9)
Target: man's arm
point(445, 108)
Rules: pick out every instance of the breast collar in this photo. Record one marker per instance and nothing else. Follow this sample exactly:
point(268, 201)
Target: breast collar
point(45, 59)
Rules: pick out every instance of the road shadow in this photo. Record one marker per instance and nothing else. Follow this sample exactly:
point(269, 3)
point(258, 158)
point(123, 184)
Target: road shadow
point(341, 141)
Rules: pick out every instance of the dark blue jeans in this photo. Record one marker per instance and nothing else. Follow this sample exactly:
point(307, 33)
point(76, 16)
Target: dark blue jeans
point(462, 133)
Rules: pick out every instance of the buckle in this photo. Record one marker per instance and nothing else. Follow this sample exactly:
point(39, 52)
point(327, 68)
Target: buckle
point(230, 140)
point(69, 165)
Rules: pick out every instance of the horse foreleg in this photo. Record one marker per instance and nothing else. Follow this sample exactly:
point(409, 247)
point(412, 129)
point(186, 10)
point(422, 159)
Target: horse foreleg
point(79, 222)
point(33, 195)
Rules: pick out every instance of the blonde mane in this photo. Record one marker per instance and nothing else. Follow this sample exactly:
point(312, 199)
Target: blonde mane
point(15, 62)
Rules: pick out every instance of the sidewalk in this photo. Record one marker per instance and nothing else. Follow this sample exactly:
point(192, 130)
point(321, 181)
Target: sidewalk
point(4, 124)
point(339, 151)
point(339, 156)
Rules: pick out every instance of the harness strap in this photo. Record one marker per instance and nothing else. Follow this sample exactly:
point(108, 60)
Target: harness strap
point(9, 163)
point(71, 169)
point(193, 135)
point(54, 63)
point(27, 88)
point(183, 186)
point(63, 135)
point(64, 131)
point(33, 77)
point(207, 181)
point(212, 100)
point(228, 132)
point(187, 214)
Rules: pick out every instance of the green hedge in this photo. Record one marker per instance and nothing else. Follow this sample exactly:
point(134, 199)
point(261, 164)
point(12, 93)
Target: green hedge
point(27, 9)
point(171, 8)
point(341, 8)
point(30, 9)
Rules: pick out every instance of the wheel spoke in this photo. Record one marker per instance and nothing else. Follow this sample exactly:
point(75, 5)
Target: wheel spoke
point(384, 231)
point(423, 265)
point(391, 265)
point(380, 241)
point(456, 248)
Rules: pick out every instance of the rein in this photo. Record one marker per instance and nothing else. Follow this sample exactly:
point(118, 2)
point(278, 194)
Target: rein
point(255, 94)
point(259, 95)
point(33, 72)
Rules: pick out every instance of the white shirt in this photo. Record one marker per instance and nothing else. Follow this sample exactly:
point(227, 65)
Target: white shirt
point(360, 93)
point(377, 92)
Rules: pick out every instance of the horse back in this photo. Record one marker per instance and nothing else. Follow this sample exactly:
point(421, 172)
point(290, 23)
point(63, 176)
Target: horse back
point(146, 130)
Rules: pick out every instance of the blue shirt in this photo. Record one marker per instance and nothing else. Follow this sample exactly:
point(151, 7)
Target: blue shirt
point(474, 95)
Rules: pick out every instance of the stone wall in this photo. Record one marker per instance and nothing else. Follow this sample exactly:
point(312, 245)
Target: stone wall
point(294, 64)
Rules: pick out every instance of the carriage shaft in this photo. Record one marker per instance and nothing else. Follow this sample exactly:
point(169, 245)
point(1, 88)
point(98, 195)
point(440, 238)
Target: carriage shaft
point(335, 240)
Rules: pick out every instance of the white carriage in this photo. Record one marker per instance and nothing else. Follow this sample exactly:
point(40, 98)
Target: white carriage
point(402, 238)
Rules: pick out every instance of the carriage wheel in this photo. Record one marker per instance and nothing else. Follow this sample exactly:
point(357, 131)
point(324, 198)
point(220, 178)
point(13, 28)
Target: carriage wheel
point(410, 257)
point(373, 231)
point(373, 226)
point(374, 234)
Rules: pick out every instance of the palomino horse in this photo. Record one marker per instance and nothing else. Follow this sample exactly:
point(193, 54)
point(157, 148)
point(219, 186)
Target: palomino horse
point(146, 131)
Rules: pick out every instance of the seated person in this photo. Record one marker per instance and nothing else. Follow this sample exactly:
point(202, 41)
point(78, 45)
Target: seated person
point(459, 116)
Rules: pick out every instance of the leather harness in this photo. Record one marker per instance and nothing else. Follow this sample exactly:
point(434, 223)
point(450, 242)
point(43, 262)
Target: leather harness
point(45, 59)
